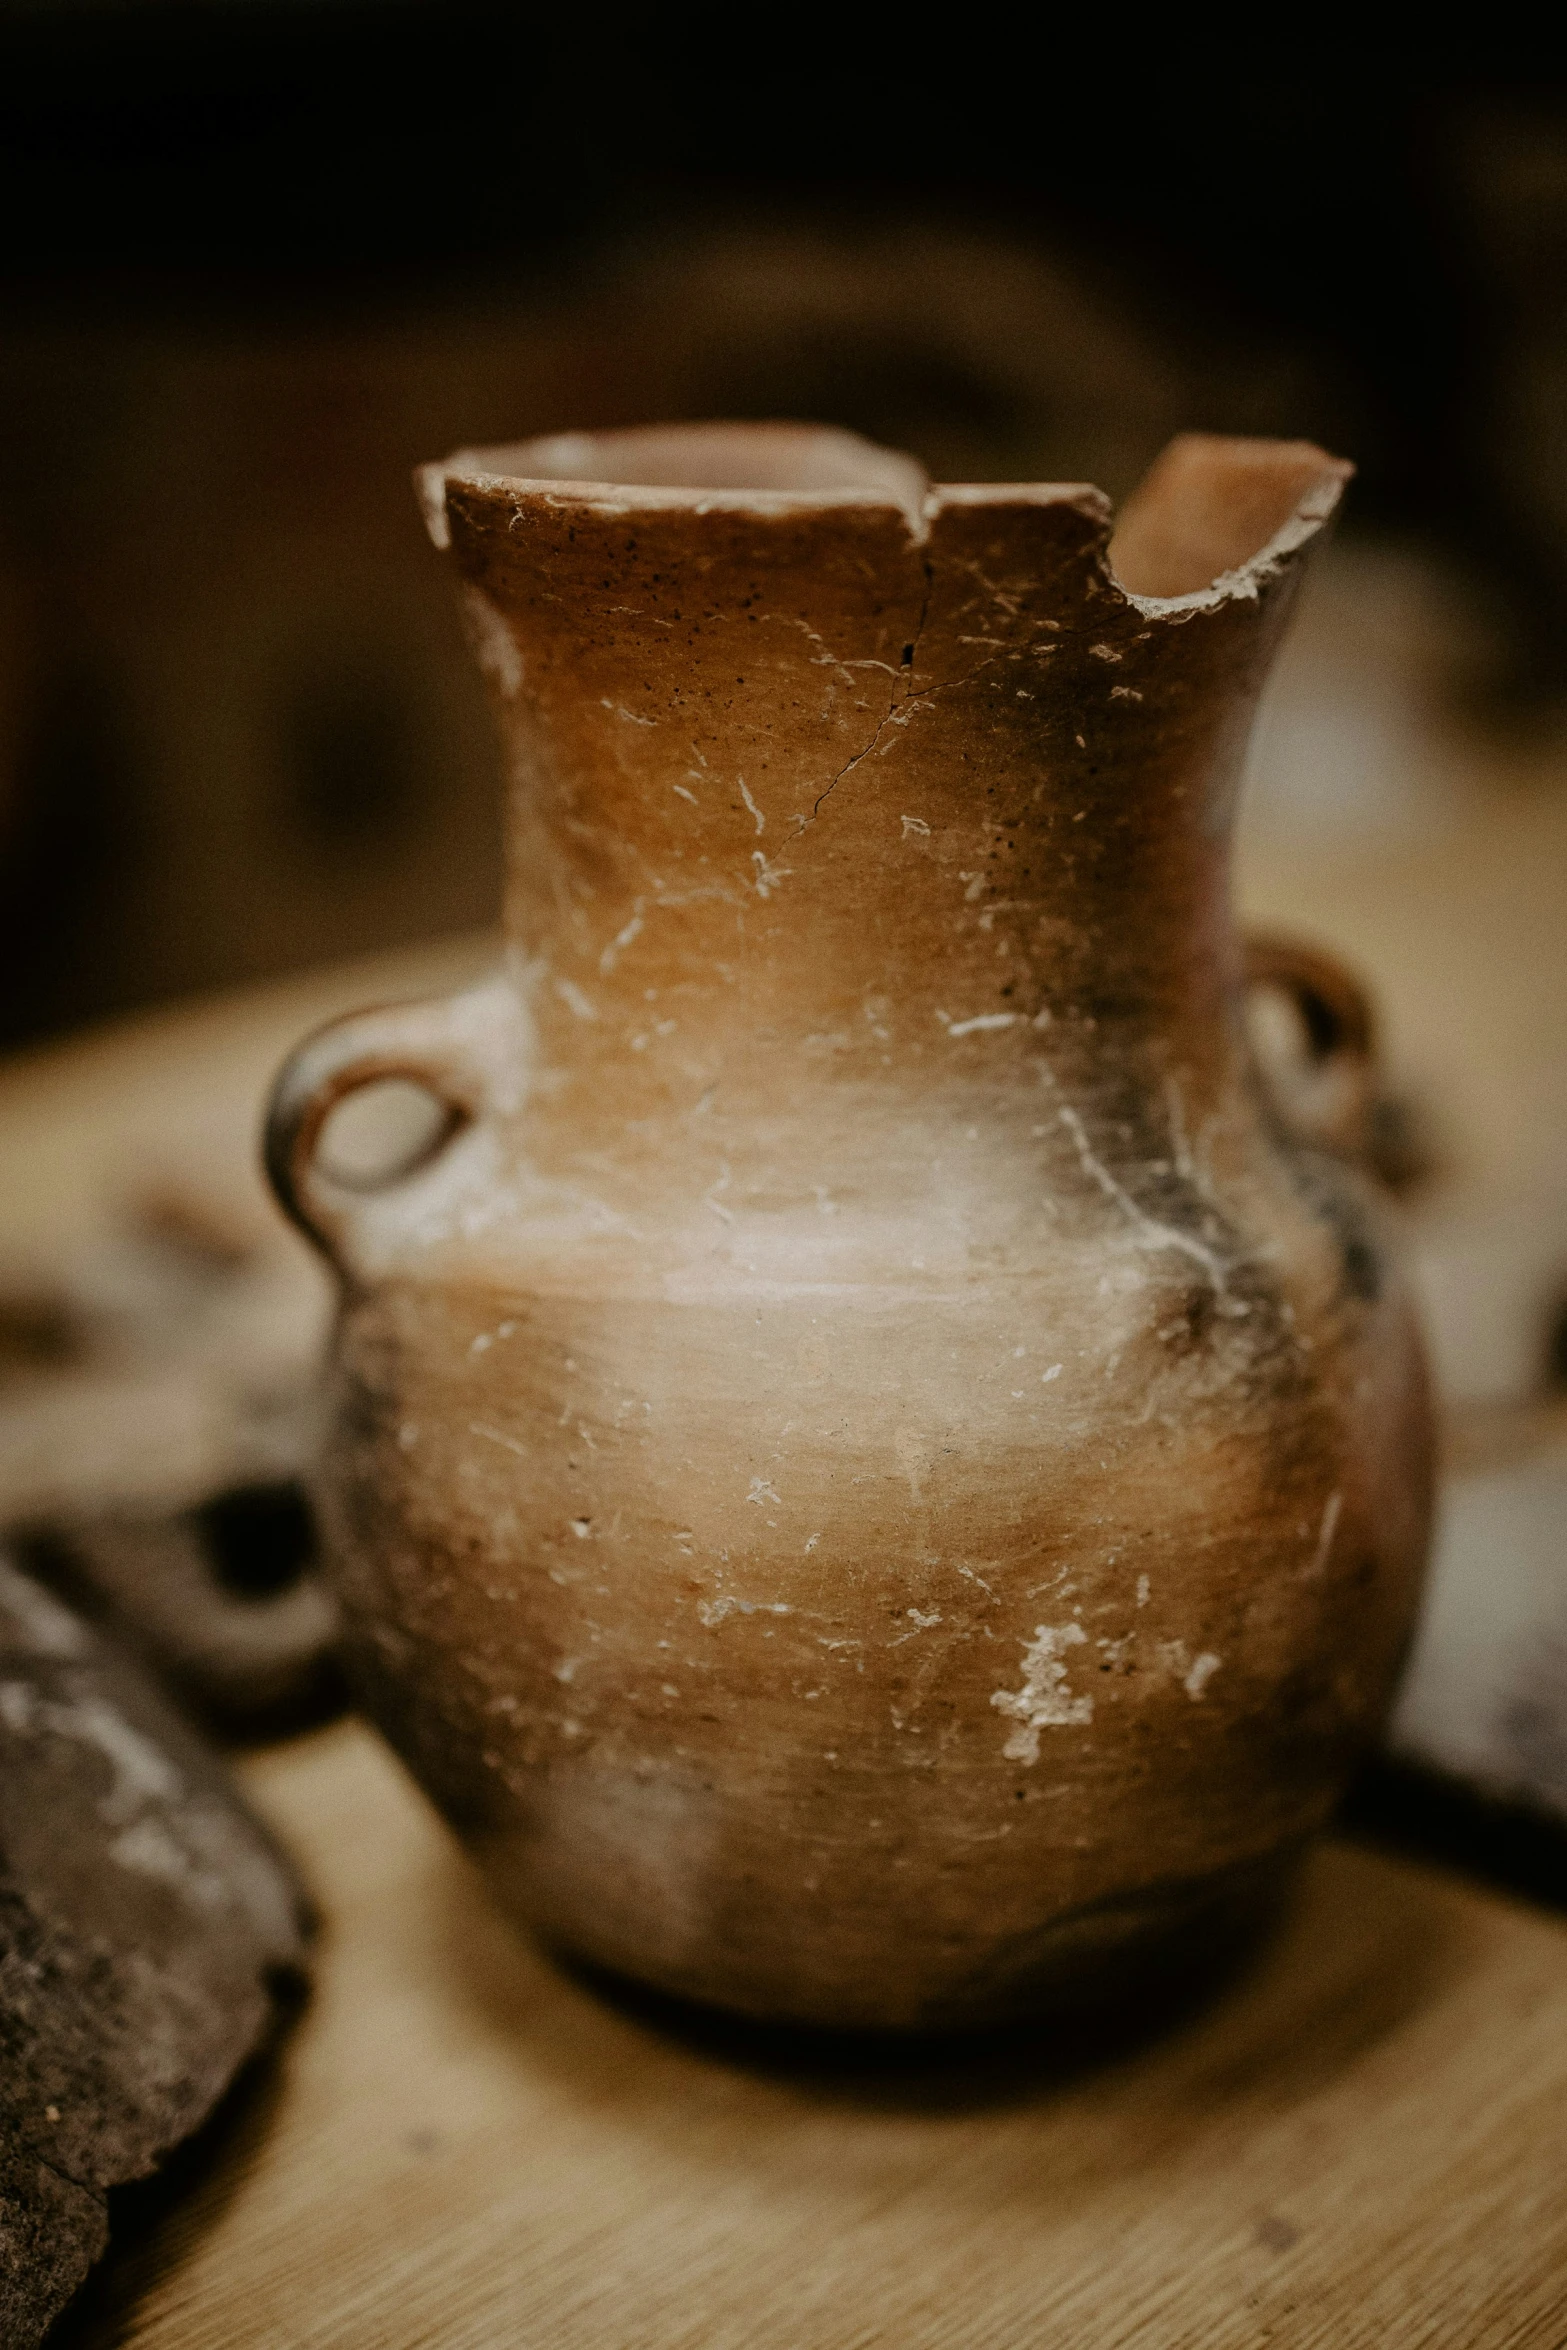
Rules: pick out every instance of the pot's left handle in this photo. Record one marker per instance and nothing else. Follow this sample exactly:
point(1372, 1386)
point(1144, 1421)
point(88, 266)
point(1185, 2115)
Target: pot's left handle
point(416, 1043)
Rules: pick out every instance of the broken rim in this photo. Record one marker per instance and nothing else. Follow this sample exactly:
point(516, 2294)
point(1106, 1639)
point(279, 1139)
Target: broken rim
point(1213, 519)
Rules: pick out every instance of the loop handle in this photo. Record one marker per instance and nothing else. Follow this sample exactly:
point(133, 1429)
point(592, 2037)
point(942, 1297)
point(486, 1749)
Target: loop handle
point(1325, 1096)
point(412, 1042)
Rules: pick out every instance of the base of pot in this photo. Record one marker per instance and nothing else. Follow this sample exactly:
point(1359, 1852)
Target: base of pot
point(1119, 1967)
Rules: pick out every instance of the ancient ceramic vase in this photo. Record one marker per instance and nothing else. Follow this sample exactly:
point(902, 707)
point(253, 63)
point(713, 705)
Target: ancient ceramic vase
point(879, 1474)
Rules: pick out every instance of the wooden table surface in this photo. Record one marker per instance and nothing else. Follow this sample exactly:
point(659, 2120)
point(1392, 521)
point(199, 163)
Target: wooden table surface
point(1362, 2141)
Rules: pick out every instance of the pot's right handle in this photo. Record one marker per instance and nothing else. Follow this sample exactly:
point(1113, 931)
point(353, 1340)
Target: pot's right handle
point(414, 1042)
point(1326, 1098)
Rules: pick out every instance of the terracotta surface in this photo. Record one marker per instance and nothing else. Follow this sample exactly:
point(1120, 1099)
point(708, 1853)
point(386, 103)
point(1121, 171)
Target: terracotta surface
point(874, 1475)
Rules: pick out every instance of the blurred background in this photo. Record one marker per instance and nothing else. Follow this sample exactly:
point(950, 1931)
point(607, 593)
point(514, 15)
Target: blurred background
point(260, 259)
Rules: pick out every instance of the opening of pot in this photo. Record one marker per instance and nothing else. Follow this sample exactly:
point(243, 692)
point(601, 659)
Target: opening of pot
point(790, 460)
point(1211, 504)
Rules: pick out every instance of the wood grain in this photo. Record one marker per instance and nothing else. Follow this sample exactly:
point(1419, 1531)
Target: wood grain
point(1361, 2141)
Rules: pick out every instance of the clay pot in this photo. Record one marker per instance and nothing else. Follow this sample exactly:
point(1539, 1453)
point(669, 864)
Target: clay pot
point(879, 1477)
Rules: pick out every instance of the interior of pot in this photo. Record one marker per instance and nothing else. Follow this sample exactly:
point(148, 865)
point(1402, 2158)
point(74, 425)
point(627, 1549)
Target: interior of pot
point(1209, 506)
point(792, 460)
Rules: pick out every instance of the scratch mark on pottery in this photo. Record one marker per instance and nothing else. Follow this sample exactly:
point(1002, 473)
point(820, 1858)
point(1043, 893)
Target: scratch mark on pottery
point(768, 876)
point(982, 1020)
point(920, 1623)
point(824, 657)
point(895, 716)
point(915, 824)
point(495, 1436)
point(1003, 599)
point(1326, 1532)
point(761, 1493)
point(1203, 1669)
point(494, 646)
point(572, 996)
point(913, 1454)
point(721, 1182)
point(1180, 1143)
point(1148, 1230)
point(1044, 1702)
point(621, 940)
point(629, 715)
point(761, 820)
point(1193, 1673)
point(713, 1611)
point(969, 1576)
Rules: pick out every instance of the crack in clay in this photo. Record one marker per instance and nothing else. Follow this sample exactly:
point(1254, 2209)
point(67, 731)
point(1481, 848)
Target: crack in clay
point(901, 709)
point(900, 713)
point(894, 705)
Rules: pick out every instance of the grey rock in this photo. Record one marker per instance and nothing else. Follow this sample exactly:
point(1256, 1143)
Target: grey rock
point(148, 1928)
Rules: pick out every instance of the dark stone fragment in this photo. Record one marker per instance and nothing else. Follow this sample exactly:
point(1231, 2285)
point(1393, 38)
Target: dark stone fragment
point(147, 1925)
point(51, 2232)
